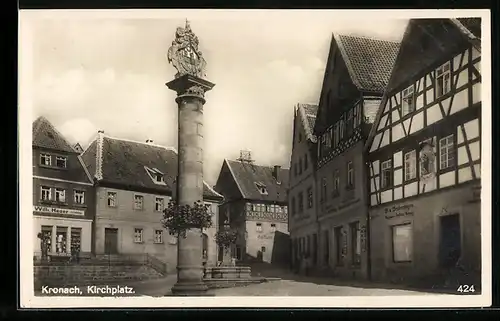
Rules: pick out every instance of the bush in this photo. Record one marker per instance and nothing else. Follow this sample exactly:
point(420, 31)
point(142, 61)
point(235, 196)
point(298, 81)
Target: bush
point(225, 238)
point(179, 218)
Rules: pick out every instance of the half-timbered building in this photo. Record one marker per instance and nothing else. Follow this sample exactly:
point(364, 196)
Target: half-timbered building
point(356, 75)
point(425, 156)
point(302, 223)
point(255, 205)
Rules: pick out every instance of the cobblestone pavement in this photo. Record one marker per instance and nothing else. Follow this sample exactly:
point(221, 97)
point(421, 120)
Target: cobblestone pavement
point(295, 288)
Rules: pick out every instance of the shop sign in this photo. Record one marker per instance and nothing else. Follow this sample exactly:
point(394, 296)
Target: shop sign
point(264, 236)
point(398, 210)
point(57, 210)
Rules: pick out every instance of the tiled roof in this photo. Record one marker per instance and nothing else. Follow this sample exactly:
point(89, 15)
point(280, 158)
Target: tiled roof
point(124, 161)
point(307, 114)
point(45, 135)
point(472, 24)
point(247, 175)
point(369, 61)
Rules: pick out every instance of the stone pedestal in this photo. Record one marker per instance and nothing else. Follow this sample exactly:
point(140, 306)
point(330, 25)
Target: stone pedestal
point(190, 99)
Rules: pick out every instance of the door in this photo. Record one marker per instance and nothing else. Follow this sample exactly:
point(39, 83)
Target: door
point(111, 240)
point(450, 242)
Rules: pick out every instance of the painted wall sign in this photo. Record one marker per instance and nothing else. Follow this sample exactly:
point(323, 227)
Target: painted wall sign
point(399, 210)
point(265, 236)
point(57, 210)
point(333, 209)
point(283, 217)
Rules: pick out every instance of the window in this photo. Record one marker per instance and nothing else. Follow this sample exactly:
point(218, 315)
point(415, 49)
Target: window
point(285, 209)
point(262, 188)
point(349, 123)
point(427, 158)
point(446, 152)
point(350, 174)
point(111, 199)
point(45, 159)
point(46, 241)
point(336, 183)
point(443, 79)
point(408, 104)
point(341, 129)
point(356, 243)
point(79, 197)
point(158, 236)
point(301, 202)
point(323, 189)
point(249, 207)
point(410, 165)
point(273, 227)
point(263, 249)
point(46, 194)
point(156, 175)
point(338, 245)
point(309, 197)
point(306, 164)
point(402, 243)
point(60, 195)
point(138, 235)
point(159, 204)
point(268, 208)
point(76, 239)
point(387, 174)
point(259, 227)
point(138, 202)
point(336, 134)
point(61, 161)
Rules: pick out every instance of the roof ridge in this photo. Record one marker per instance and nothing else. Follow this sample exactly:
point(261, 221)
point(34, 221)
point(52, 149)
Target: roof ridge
point(139, 142)
point(234, 177)
point(42, 119)
point(367, 38)
point(347, 60)
point(303, 118)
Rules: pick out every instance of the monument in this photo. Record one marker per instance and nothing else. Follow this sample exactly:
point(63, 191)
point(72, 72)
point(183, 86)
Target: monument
point(190, 86)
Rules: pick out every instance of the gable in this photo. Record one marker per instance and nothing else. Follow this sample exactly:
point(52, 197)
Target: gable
point(226, 184)
point(46, 136)
point(338, 89)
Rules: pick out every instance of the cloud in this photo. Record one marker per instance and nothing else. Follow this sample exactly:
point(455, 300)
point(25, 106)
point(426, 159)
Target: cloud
point(78, 130)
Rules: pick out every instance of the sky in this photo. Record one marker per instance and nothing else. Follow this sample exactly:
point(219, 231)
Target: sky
point(95, 73)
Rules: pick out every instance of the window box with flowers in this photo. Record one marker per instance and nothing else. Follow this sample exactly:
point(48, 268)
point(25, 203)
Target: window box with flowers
point(177, 219)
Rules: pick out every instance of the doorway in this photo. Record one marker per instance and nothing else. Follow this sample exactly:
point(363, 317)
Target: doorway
point(450, 247)
point(111, 240)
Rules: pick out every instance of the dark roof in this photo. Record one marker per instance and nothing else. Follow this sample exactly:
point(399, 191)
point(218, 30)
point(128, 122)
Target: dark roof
point(472, 24)
point(123, 162)
point(45, 135)
point(307, 114)
point(369, 61)
point(246, 175)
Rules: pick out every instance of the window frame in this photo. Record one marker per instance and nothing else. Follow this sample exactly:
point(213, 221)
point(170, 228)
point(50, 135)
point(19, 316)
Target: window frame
point(310, 197)
point(114, 199)
point(393, 231)
point(42, 187)
point(141, 235)
point(450, 146)
point(336, 183)
point(45, 156)
point(60, 191)
point(324, 190)
point(350, 175)
point(136, 197)
point(410, 163)
point(258, 227)
point(162, 239)
point(64, 158)
point(76, 193)
point(383, 184)
point(441, 75)
point(273, 228)
point(162, 202)
point(408, 100)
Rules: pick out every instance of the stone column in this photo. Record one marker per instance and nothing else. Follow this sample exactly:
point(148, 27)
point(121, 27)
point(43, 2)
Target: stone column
point(190, 100)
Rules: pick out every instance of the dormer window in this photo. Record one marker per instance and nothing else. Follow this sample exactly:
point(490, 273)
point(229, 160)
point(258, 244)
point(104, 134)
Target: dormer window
point(61, 161)
point(262, 188)
point(156, 175)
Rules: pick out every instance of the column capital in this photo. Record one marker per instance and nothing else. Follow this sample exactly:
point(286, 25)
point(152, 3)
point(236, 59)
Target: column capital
point(189, 86)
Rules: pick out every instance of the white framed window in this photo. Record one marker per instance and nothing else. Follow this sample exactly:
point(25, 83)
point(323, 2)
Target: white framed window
point(408, 103)
point(259, 227)
point(273, 227)
point(285, 209)
point(443, 79)
point(138, 202)
point(341, 129)
point(61, 161)
point(45, 193)
point(410, 165)
point(79, 197)
point(446, 152)
point(60, 195)
point(350, 174)
point(402, 243)
point(386, 174)
point(112, 199)
point(310, 199)
point(159, 204)
point(158, 236)
point(45, 159)
point(138, 235)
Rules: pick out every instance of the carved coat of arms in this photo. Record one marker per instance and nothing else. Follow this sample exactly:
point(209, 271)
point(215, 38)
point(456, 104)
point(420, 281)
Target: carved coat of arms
point(184, 54)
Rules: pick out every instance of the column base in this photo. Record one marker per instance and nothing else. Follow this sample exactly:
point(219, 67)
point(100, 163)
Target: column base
point(190, 289)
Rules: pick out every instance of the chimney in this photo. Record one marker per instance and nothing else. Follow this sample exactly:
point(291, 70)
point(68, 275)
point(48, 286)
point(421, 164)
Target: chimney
point(276, 173)
point(149, 141)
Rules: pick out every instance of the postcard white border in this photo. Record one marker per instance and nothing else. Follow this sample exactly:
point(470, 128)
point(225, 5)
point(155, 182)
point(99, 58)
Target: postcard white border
point(26, 291)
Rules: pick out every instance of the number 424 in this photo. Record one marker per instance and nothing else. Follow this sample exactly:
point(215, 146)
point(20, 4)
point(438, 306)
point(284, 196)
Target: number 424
point(466, 289)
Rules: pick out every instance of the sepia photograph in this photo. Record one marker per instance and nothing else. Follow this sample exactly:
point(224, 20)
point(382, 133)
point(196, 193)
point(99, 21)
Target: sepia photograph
point(255, 158)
